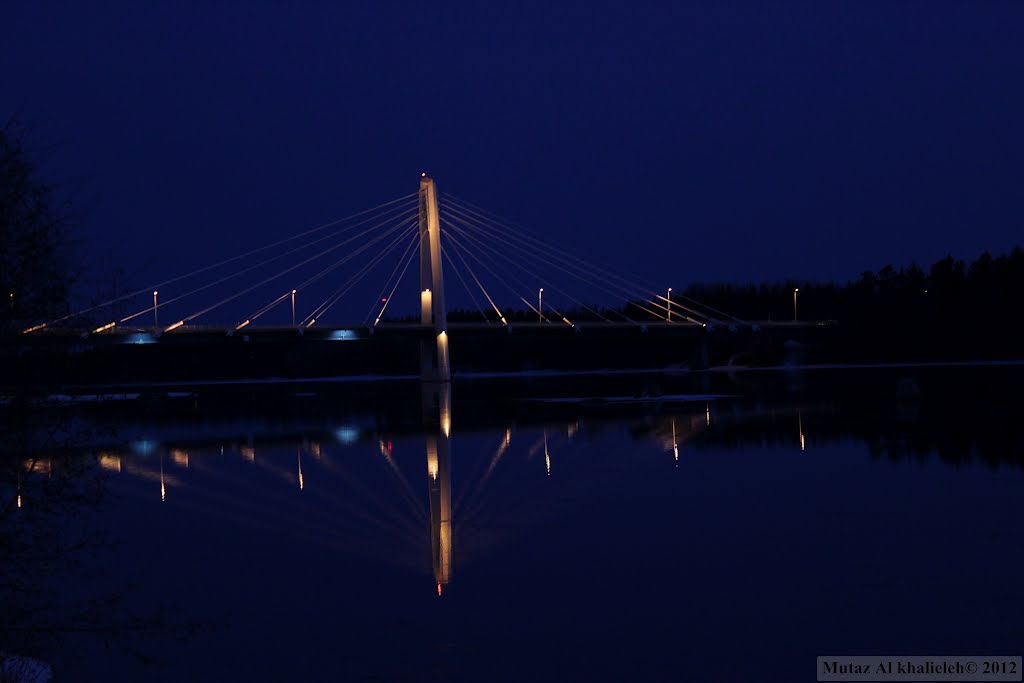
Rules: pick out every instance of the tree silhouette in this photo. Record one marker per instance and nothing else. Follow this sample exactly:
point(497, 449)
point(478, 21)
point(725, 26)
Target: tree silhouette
point(35, 277)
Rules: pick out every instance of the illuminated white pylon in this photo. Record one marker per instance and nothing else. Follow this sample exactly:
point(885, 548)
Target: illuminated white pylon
point(433, 353)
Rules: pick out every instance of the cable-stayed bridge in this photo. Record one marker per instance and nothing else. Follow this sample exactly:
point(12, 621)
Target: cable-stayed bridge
point(282, 310)
point(302, 290)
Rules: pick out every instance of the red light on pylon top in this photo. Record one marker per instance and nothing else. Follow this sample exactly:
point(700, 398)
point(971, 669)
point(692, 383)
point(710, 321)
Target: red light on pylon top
point(384, 300)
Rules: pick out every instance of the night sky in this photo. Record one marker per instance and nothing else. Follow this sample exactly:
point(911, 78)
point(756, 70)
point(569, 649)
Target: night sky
point(712, 141)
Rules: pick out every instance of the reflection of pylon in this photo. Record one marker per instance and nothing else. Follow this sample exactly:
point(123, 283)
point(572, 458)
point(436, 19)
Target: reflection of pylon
point(675, 441)
point(440, 482)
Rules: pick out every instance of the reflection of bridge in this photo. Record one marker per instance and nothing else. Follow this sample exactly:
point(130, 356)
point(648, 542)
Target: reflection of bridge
point(492, 260)
point(165, 459)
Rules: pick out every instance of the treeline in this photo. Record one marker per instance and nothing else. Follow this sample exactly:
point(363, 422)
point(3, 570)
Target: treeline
point(953, 310)
point(950, 292)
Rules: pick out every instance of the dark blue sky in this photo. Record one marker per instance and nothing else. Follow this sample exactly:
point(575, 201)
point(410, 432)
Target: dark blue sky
point(685, 141)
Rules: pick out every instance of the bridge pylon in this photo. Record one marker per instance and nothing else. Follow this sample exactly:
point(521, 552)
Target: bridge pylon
point(434, 365)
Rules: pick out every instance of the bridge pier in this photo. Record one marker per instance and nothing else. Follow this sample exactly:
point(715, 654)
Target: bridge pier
point(699, 359)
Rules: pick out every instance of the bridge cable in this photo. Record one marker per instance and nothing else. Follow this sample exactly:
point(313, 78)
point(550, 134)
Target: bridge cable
point(309, 281)
point(527, 235)
point(358, 275)
point(451, 238)
point(351, 282)
point(257, 314)
point(348, 257)
point(451, 264)
point(275, 258)
point(398, 226)
point(561, 291)
point(531, 256)
point(386, 300)
point(629, 298)
point(535, 253)
point(524, 235)
point(539, 313)
point(458, 248)
point(501, 317)
point(178, 278)
point(507, 232)
point(265, 262)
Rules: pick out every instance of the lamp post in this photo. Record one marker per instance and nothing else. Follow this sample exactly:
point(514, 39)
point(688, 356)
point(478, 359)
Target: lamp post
point(795, 290)
point(156, 322)
point(293, 308)
point(540, 305)
point(669, 300)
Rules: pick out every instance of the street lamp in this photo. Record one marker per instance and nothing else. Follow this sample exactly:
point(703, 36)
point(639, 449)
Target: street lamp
point(540, 305)
point(156, 323)
point(795, 290)
point(669, 300)
point(293, 308)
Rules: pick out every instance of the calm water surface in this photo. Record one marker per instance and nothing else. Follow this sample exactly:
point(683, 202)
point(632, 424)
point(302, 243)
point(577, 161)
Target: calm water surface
point(728, 530)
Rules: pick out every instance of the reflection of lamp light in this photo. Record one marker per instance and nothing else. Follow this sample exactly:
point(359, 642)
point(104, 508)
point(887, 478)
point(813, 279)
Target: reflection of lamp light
point(432, 466)
point(346, 435)
point(675, 443)
point(144, 447)
point(110, 462)
point(547, 456)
